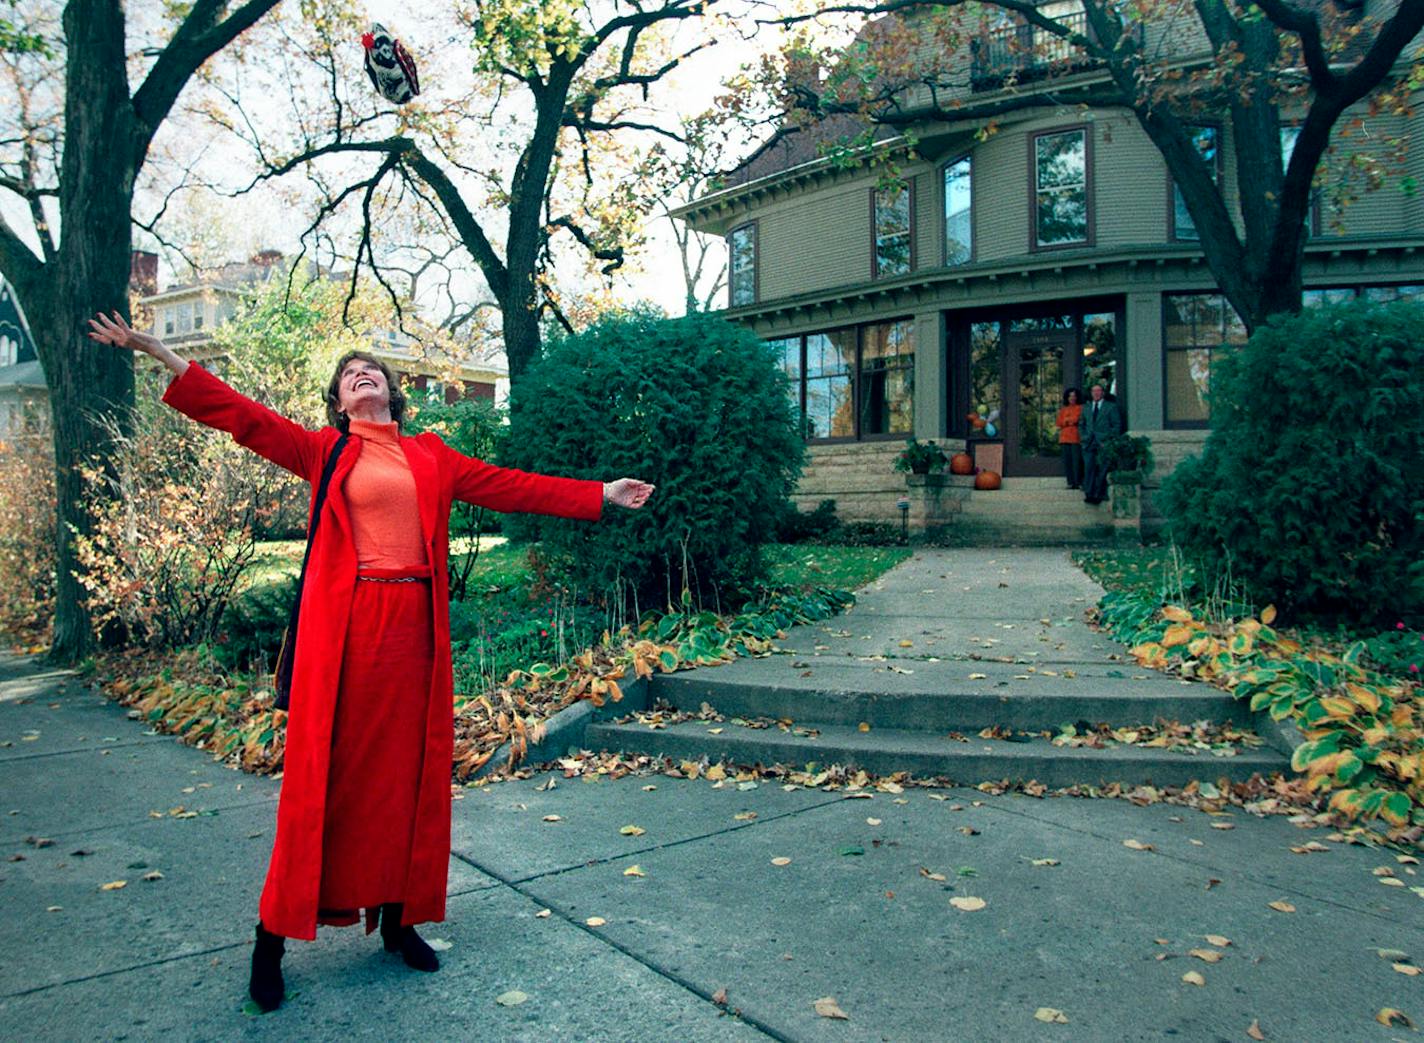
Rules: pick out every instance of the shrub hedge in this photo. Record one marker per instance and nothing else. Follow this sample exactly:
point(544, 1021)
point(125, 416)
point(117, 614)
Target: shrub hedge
point(697, 406)
point(1310, 488)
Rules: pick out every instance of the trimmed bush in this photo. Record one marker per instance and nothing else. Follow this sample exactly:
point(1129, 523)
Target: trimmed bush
point(1310, 489)
point(697, 406)
point(797, 526)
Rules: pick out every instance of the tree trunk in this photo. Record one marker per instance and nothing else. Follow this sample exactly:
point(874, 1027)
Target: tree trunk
point(89, 271)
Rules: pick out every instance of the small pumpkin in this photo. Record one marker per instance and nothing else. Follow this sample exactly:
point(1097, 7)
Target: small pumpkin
point(961, 463)
point(987, 480)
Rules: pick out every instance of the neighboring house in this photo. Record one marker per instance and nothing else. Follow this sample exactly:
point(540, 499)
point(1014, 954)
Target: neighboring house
point(186, 315)
point(1000, 270)
point(24, 407)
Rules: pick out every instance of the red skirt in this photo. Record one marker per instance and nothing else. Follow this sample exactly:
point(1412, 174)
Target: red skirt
point(377, 745)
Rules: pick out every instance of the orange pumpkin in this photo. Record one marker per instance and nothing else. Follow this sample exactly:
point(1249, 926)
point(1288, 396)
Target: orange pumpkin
point(987, 480)
point(961, 463)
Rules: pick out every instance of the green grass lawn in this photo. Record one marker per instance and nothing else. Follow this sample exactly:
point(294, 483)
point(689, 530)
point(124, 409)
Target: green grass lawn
point(1130, 568)
point(502, 564)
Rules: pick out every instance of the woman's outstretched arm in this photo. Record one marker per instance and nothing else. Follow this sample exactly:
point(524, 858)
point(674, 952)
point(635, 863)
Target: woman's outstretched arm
point(114, 330)
point(508, 490)
point(199, 394)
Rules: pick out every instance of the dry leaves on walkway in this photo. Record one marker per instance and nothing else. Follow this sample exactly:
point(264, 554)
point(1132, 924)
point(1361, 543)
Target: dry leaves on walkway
point(827, 1007)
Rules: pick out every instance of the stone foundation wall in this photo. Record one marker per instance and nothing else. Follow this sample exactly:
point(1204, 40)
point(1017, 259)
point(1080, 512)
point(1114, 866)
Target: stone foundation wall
point(859, 476)
point(1169, 448)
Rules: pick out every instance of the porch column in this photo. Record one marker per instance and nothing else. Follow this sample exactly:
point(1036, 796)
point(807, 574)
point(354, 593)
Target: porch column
point(1143, 355)
point(931, 373)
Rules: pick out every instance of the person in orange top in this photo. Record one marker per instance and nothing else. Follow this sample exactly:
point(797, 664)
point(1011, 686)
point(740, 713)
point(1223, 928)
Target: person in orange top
point(363, 821)
point(1068, 438)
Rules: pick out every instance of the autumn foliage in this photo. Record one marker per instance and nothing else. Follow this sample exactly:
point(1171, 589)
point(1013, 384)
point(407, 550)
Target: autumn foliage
point(27, 539)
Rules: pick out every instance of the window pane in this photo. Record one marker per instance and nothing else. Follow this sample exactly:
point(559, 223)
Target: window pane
point(892, 230)
point(958, 242)
point(830, 360)
point(985, 366)
point(1333, 295)
point(788, 350)
point(741, 246)
point(1188, 375)
point(1100, 361)
point(1391, 293)
point(1206, 141)
point(887, 379)
point(1061, 187)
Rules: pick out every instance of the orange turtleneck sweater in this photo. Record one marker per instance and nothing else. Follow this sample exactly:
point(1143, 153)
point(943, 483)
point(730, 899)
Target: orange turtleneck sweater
point(380, 493)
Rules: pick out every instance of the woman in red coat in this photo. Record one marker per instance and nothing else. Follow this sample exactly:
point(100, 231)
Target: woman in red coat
point(363, 821)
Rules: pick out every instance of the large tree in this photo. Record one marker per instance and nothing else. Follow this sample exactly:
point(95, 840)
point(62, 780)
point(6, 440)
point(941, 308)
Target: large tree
point(1260, 67)
point(74, 172)
point(525, 162)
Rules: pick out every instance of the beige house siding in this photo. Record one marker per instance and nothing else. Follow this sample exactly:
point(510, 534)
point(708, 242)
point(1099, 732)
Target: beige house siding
point(815, 242)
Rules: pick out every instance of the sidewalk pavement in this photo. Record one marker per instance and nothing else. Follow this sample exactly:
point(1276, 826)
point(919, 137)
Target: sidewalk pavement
point(859, 913)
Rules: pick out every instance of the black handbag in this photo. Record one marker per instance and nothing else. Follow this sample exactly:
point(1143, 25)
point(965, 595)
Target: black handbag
point(282, 675)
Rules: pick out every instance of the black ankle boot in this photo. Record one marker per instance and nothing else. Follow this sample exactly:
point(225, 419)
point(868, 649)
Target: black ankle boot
point(405, 941)
point(266, 986)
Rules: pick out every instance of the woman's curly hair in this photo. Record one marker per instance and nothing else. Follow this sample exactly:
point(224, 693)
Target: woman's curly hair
point(334, 416)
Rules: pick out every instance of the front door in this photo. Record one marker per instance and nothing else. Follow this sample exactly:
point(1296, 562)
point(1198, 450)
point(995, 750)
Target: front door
point(1038, 365)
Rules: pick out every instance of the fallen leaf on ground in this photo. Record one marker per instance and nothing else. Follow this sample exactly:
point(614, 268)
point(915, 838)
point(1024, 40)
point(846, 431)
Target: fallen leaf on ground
point(1220, 941)
point(720, 996)
point(1050, 1015)
point(940, 877)
point(155, 875)
point(978, 677)
point(1138, 845)
point(716, 773)
point(54, 909)
point(544, 914)
point(632, 831)
point(1205, 955)
point(864, 726)
point(439, 944)
point(1407, 969)
point(781, 860)
point(1390, 1016)
point(1392, 954)
point(967, 903)
point(1193, 978)
point(553, 818)
point(827, 1007)
point(1254, 1030)
point(745, 816)
point(1282, 907)
point(1045, 861)
point(512, 998)
point(1223, 825)
point(872, 822)
point(113, 885)
point(969, 831)
point(1391, 881)
point(634, 871)
point(595, 921)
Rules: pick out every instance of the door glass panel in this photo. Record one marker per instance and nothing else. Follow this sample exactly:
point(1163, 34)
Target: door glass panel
point(985, 362)
point(887, 379)
point(1040, 391)
point(1100, 359)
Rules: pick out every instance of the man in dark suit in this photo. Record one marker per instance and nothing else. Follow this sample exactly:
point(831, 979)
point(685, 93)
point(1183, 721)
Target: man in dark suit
point(1101, 420)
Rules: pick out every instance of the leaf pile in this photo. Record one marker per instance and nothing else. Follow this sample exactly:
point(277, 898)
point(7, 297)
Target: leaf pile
point(1364, 747)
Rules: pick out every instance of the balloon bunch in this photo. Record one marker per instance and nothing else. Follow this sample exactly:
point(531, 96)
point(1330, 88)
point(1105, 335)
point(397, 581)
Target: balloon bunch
point(984, 422)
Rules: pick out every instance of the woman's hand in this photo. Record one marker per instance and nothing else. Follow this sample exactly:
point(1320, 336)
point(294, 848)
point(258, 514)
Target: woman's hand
point(114, 330)
point(627, 492)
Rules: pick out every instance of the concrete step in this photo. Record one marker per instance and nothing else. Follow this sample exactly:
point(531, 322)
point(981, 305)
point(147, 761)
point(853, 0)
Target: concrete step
point(929, 755)
point(944, 700)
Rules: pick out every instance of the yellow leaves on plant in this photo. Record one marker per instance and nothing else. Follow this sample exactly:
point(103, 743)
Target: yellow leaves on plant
point(967, 903)
point(1268, 615)
point(1391, 1017)
point(1179, 634)
point(1337, 708)
point(1150, 654)
point(827, 1007)
point(1051, 1016)
point(1176, 614)
point(1366, 698)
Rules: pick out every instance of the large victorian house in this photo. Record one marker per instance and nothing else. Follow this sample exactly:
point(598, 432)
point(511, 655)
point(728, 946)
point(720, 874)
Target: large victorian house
point(1000, 269)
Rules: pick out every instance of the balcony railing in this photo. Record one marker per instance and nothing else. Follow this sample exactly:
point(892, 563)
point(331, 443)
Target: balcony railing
point(1025, 53)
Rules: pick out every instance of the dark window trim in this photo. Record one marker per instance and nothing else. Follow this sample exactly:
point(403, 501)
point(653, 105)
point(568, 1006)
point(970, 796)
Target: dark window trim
point(944, 206)
point(859, 329)
point(1091, 240)
point(1168, 424)
point(1220, 180)
point(874, 253)
point(756, 263)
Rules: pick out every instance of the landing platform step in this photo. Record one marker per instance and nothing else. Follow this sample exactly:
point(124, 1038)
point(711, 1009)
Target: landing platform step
point(927, 755)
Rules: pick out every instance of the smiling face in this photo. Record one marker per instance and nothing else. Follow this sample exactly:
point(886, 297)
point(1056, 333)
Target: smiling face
point(362, 387)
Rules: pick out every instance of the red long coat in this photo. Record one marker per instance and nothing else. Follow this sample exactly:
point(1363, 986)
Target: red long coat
point(289, 898)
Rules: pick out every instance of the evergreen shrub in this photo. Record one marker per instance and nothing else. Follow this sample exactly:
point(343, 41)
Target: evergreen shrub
point(1310, 488)
point(697, 406)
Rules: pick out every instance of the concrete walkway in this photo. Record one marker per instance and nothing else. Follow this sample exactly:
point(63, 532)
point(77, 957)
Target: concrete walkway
point(1101, 932)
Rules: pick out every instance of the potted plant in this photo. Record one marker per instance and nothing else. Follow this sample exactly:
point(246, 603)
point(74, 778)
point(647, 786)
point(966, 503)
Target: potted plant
point(920, 457)
point(1127, 458)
